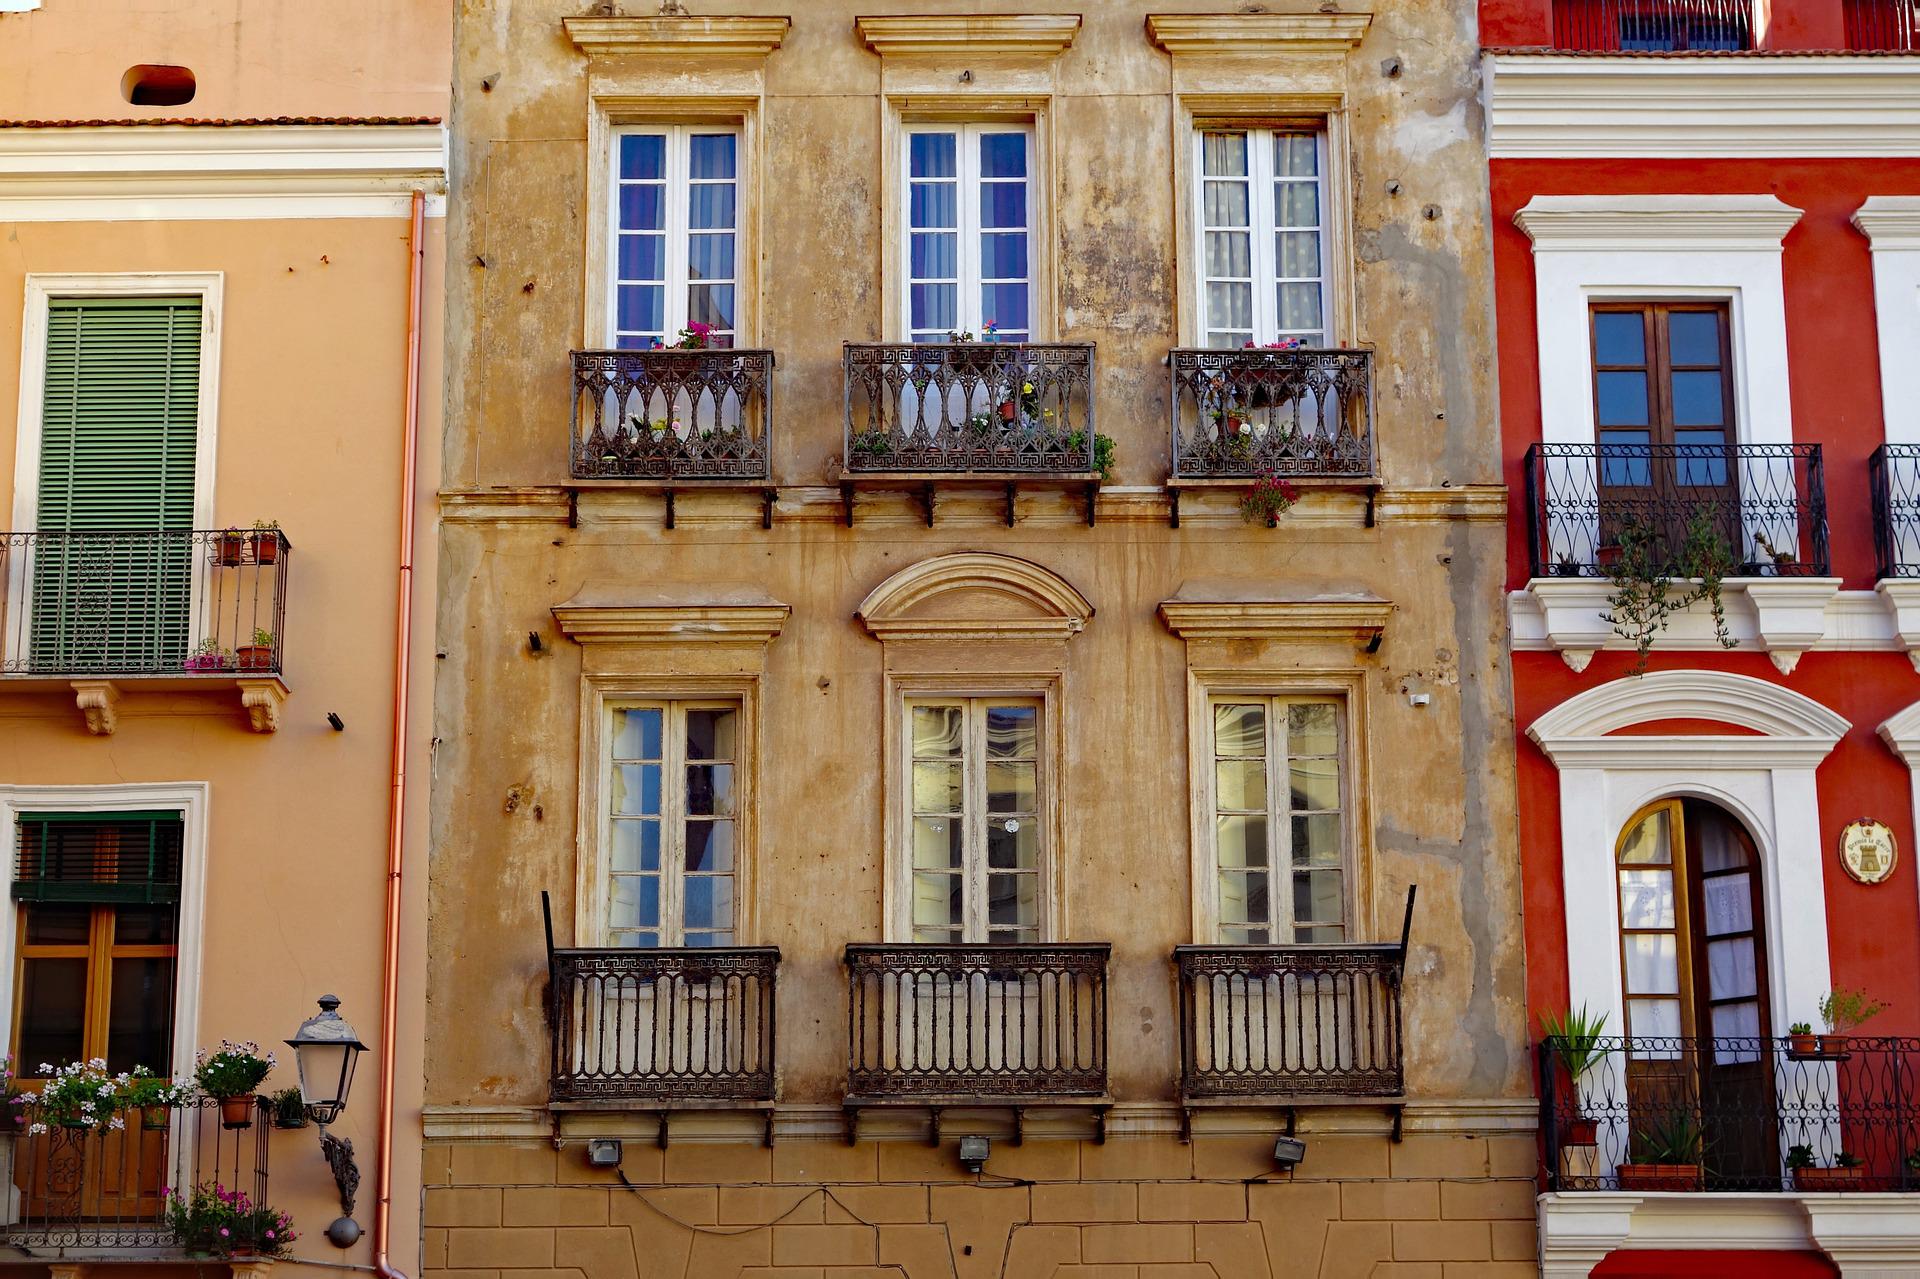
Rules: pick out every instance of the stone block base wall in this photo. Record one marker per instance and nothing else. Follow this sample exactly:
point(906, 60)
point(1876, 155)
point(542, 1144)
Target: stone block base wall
point(1137, 1207)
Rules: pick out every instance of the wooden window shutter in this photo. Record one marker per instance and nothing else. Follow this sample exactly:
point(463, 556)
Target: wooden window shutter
point(99, 857)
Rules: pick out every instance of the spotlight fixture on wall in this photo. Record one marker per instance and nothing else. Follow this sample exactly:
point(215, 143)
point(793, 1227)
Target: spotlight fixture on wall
point(603, 1152)
point(1288, 1152)
point(339, 725)
point(974, 1152)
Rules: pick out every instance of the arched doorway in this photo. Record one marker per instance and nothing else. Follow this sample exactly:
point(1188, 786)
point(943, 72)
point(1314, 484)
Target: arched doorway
point(1694, 975)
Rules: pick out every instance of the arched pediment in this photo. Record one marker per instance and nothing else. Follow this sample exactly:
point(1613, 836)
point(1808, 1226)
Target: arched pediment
point(1786, 723)
point(975, 595)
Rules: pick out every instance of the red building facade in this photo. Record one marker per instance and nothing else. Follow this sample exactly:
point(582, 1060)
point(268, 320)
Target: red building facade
point(1707, 252)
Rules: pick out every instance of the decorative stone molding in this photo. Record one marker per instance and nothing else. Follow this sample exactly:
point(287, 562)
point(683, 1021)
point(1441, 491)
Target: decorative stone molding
point(1202, 613)
point(1790, 615)
point(1891, 224)
point(1890, 221)
point(1042, 34)
point(717, 614)
point(1256, 34)
point(1740, 700)
point(1656, 223)
point(262, 700)
point(966, 596)
point(96, 699)
point(606, 37)
point(1868, 1236)
point(1578, 1231)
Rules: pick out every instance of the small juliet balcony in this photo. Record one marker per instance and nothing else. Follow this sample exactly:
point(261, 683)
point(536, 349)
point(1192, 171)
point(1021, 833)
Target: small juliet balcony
point(166, 610)
point(956, 1025)
point(1894, 472)
point(995, 413)
point(100, 1193)
point(1652, 26)
point(1301, 414)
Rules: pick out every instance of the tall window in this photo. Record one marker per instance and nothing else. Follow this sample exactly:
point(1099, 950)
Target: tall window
point(969, 231)
point(1278, 818)
point(98, 902)
point(1262, 231)
point(1662, 378)
point(673, 817)
point(676, 232)
point(977, 839)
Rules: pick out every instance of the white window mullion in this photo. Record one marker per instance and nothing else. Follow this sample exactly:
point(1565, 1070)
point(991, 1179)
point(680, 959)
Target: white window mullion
point(679, 196)
point(1279, 828)
point(967, 166)
point(673, 821)
point(1260, 143)
point(975, 803)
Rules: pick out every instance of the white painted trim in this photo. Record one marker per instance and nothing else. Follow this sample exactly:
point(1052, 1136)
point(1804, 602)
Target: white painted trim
point(41, 288)
point(161, 173)
point(969, 193)
point(1588, 248)
point(1766, 781)
point(1892, 224)
point(1541, 106)
point(1901, 733)
point(191, 800)
point(676, 231)
point(1870, 1233)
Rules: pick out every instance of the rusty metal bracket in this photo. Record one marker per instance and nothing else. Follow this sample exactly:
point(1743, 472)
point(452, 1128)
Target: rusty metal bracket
point(1398, 1112)
point(669, 506)
point(768, 496)
point(573, 508)
point(1010, 493)
point(1093, 493)
point(1173, 507)
point(926, 500)
point(846, 502)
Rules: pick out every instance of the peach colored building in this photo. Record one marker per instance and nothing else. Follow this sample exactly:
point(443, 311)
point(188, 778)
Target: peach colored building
point(221, 255)
point(976, 823)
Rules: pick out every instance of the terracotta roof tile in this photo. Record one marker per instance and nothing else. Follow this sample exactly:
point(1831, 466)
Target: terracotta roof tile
point(198, 123)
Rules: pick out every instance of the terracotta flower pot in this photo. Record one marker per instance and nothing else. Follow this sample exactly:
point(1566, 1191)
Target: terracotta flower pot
point(266, 547)
point(1833, 1045)
point(236, 1112)
point(1802, 1045)
point(154, 1118)
point(1812, 1179)
point(1659, 1176)
point(255, 657)
point(1581, 1132)
point(230, 548)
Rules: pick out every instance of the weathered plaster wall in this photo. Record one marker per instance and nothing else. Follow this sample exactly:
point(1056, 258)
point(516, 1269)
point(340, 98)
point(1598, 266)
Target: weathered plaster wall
point(507, 719)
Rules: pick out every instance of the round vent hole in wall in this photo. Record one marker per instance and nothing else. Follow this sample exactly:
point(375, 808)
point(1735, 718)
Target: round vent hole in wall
point(157, 85)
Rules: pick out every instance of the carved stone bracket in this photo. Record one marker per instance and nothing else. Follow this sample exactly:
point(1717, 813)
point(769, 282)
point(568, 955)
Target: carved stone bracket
point(262, 699)
point(96, 699)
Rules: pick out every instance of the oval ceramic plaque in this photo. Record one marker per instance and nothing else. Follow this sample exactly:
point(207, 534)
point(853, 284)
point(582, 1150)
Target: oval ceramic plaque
point(1867, 851)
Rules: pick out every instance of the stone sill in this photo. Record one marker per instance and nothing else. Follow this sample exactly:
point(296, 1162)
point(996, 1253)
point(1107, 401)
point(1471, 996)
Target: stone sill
point(262, 694)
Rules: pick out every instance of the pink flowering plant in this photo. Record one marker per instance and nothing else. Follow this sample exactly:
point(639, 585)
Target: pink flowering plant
point(218, 1222)
point(1268, 499)
point(695, 337)
point(231, 1070)
point(14, 1101)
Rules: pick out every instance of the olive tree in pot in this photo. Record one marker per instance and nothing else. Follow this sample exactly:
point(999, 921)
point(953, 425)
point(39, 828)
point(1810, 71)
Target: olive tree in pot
point(1841, 1011)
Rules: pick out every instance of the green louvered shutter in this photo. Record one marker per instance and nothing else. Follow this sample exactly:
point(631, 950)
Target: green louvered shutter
point(118, 423)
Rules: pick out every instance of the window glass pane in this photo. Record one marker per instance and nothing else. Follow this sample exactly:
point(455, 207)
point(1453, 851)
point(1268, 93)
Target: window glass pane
point(1003, 256)
point(1244, 898)
point(1624, 459)
point(1005, 307)
point(642, 308)
point(53, 1005)
point(1003, 155)
point(636, 845)
point(1299, 307)
point(1229, 306)
point(1296, 155)
point(1003, 204)
point(1730, 969)
point(1693, 337)
point(1316, 840)
point(1654, 1017)
point(144, 925)
point(709, 939)
point(1736, 1021)
point(1313, 728)
point(1012, 787)
point(1226, 204)
point(710, 155)
point(932, 204)
point(710, 206)
point(932, 254)
point(1240, 784)
point(643, 155)
point(709, 901)
point(1314, 783)
point(636, 790)
point(1619, 337)
point(710, 790)
point(936, 787)
point(1729, 905)
point(1230, 254)
point(1649, 844)
point(1698, 466)
point(1224, 155)
point(710, 304)
point(1241, 841)
point(710, 733)
point(1697, 399)
point(1013, 900)
point(1623, 398)
point(1013, 843)
point(634, 902)
point(936, 901)
point(1299, 254)
point(641, 208)
point(1653, 966)
point(643, 257)
point(710, 257)
point(937, 843)
point(933, 306)
point(931, 155)
point(1012, 732)
point(937, 731)
point(1240, 729)
point(1321, 934)
point(710, 847)
point(1245, 936)
point(1646, 899)
point(140, 1015)
point(1297, 204)
point(58, 925)
point(1317, 896)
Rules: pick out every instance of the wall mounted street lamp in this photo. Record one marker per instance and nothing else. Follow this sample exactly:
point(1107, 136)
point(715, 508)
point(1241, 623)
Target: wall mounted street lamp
point(325, 1049)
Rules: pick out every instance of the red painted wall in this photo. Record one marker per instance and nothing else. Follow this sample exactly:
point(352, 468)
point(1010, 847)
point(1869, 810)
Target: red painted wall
point(1780, 24)
point(1663, 1264)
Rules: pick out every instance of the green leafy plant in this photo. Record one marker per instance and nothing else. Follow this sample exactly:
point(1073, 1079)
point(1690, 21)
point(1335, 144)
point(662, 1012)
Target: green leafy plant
point(231, 1070)
point(81, 1094)
point(1842, 1010)
point(1652, 580)
point(1675, 1139)
point(1800, 1028)
point(213, 1220)
point(1102, 452)
point(872, 443)
point(262, 638)
point(209, 655)
point(289, 1109)
point(1847, 1159)
point(1574, 1037)
point(1799, 1157)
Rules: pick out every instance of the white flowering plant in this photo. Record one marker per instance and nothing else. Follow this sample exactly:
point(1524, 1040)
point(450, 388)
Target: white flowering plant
point(81, 1094)
point(231, 1070)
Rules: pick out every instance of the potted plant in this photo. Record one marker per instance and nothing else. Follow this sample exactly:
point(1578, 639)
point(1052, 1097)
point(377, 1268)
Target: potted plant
point(230, 1074)
point(212, 1221)
point(1666, 1155)
point(257, 656)
point(1845, 1174)
point(152, 1096)
point(1842, 1011)
point(230, 547)
point(1102, 452)
point(1652, 581)
point(1574, 1038)
point(1801, 1041)
point(265, 541)
point(13, 1101)
point(1566, 566)
point(208, 655)
point(289, 1109)
point(1268, 499)
point(82, 1095)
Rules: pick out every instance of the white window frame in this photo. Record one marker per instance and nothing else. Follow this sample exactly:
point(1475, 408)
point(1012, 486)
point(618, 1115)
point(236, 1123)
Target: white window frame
point(968, 316)
point(677, 187)
point(1262, 229)
point(975, 928)
point(672, 928)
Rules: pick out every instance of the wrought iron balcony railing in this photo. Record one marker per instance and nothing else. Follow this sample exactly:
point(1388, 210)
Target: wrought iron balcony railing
point(1731, 1113)
point(1303, 414)
point(1652, 26)
point(1001, 409)
point(1293, 1021)
point(673, 415)
point(102, 1192)
point(658, 1025)
point(201, 602)
point(1752, 510)
point(1012, 1023)
point(1894, 472)
point(1882, 25)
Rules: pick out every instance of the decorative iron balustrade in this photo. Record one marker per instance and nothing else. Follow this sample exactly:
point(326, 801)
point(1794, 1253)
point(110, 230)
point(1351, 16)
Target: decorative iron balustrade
point(949, 1021)
point(1756, 510)
point(103, 1191)
point(673, 414)
point(1310, 1020)
point(1731, 1113)
point(170, 602)
point(661, 1024)
point(1652, 26)
point(1894, 472)
point(970, 408)
point(1302, 414)
point(1886, 26)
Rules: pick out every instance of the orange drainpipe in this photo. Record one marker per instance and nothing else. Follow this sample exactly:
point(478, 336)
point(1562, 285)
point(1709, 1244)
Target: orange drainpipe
point(397, 804)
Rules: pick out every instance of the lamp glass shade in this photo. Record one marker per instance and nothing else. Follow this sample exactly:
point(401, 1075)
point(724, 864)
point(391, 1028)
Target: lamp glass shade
point(325, 1050)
